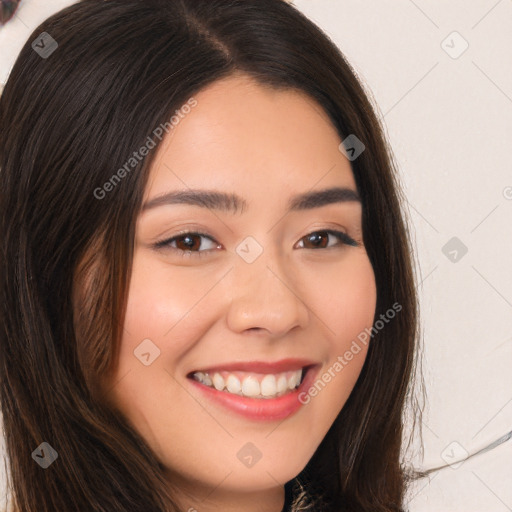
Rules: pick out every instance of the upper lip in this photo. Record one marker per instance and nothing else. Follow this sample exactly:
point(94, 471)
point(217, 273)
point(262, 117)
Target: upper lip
point(282, 365)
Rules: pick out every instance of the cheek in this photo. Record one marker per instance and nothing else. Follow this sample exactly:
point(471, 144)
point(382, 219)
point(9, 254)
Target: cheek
point(344, 299)
point(164, 305)
point(345, 302)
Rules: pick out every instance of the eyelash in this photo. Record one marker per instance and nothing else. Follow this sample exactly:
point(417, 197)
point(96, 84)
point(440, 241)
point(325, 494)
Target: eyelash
point(165, 244)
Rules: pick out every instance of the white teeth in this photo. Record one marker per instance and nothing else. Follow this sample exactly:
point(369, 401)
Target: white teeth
point(218, 381)
point(204, 378)
point(282, 383)
point(268, 385)
point(233, 384)
point(252, 385)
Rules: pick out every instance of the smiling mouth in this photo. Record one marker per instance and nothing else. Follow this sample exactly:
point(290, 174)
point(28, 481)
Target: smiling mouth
point(251, 384)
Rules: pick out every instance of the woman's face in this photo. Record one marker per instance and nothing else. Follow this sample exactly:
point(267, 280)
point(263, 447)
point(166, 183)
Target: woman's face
point(262, 291)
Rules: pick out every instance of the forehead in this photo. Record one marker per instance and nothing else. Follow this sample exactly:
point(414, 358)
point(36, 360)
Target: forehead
point(247, 136)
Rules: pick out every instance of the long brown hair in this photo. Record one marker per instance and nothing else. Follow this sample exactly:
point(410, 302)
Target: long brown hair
point(69, 119)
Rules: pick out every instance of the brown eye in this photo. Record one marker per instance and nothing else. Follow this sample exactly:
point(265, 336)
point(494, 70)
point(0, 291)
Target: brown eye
point(320, 239)
point(188, 243)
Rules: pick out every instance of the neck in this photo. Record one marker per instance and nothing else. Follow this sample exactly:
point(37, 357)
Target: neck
point(198, 499)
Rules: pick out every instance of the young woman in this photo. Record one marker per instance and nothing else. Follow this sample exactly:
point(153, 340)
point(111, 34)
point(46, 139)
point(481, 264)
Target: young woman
point(208, 300)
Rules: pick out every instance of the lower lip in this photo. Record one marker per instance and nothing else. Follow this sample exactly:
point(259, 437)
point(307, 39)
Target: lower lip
point(262, 409)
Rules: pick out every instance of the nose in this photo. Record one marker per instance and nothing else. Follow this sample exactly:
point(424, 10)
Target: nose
point(266, 298)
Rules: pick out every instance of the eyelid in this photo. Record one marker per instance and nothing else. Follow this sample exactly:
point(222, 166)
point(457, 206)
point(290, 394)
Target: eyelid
point(165, 244)
point(343, 237)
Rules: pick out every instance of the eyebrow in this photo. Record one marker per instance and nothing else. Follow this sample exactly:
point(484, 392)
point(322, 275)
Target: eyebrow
point(232, 203)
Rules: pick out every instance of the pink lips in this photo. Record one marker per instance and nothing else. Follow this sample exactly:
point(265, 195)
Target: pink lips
point(261, 409)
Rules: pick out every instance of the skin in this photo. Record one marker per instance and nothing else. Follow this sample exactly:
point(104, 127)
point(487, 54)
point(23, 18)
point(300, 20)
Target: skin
point(292, 301)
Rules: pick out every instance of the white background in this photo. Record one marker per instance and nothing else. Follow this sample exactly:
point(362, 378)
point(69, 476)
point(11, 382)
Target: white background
point(449, 121)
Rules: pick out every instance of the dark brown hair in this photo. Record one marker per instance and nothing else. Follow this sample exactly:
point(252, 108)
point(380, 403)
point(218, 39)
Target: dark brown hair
point(71, 119)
